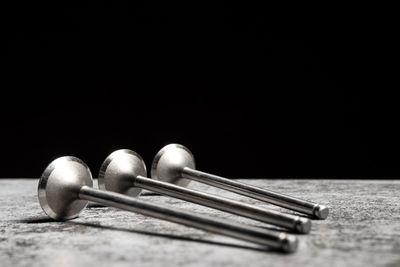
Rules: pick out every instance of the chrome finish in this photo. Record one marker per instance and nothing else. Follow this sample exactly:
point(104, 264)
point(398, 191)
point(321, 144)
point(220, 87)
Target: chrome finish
point(59, 187)
point(66, 186)
point(119, 169)
point(167, 164)
point(122, 172)
point(171, 165)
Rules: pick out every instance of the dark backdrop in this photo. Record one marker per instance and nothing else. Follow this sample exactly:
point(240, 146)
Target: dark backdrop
point(252, 91)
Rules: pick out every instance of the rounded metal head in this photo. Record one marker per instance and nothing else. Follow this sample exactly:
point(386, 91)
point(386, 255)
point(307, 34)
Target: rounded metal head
point(169, 162)
point(58, 189)
point(321, 212)
point(289, 243)
point(303, 225)
point(119, 171)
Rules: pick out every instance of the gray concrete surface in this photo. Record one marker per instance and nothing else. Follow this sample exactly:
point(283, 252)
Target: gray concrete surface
point(363, 229)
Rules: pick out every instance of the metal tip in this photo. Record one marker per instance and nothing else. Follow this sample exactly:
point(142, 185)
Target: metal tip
point(321, 212)
point(289, 243)
point(303, 225)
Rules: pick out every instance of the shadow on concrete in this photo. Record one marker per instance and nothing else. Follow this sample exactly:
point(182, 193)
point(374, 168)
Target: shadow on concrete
point(149, 193)
point(45, 219)
point(182, 238)
point(35, 220)
point(94, 205)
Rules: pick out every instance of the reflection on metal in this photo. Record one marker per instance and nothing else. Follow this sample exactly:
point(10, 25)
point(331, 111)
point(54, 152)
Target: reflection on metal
point(175, 164)
point(66, 186)
point(124, 172)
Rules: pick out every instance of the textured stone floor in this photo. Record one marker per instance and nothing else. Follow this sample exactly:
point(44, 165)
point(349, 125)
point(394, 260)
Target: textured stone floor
point(363, 229)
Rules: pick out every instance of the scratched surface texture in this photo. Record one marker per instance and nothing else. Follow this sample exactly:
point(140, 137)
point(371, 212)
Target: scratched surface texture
point(363, 229)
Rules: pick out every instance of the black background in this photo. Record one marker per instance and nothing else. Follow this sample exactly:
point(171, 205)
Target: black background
point(252, 91)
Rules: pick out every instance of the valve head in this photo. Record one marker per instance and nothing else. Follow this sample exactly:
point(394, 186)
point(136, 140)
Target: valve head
point(119, 171)
point(59, 185)
point(169, 162)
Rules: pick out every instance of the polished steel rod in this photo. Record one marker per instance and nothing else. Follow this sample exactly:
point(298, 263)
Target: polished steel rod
point(123, 172)
point(65, 188)
point(294, 223)
point(269, 196)
point(175, 163)
point(276, 240)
